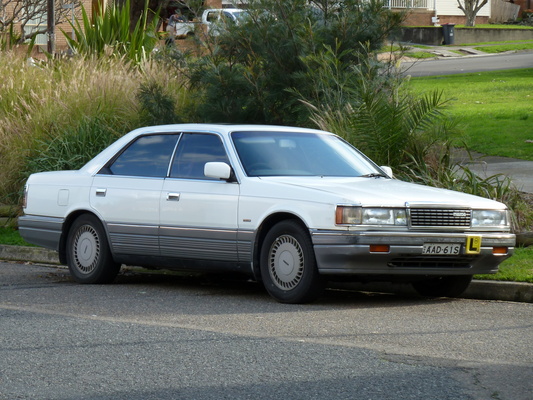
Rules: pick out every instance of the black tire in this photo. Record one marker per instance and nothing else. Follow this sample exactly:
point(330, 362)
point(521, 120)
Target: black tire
point(443, 286)
point(89, 259)
point(288, 265)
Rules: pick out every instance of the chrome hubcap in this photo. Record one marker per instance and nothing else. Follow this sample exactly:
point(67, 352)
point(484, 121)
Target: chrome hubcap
point(86, 249)
point(286, 262)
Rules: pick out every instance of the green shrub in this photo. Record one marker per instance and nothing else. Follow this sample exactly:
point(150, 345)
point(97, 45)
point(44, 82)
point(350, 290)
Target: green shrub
point(157, 106)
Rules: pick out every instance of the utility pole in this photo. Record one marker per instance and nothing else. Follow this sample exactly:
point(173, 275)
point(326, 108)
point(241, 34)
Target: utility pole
point(50, 27)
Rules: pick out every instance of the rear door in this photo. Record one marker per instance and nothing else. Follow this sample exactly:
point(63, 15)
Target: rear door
point(126, 193)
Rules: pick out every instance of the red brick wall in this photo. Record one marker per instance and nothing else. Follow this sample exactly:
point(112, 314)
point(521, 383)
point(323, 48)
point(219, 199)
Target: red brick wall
point(460, 20)
point(419, 18)
point(524, 5)
point(423, 18)
point(213, 3)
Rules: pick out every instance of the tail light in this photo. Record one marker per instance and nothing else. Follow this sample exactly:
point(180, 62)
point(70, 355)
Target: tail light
point(25, 197)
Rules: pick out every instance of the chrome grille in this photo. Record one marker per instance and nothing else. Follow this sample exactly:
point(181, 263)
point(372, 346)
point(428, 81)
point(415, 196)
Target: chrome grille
point(429, 217)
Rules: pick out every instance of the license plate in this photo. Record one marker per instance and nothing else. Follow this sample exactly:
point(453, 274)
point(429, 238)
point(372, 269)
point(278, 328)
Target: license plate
point(441, 249)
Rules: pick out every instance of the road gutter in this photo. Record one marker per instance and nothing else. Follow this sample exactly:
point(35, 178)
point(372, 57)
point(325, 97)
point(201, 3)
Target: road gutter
point(478, 289)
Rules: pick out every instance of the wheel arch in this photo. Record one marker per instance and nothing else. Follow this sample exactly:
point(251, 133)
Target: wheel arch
point(69, 220)
point(263, 229)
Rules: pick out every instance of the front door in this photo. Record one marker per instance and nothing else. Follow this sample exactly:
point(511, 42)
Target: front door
point(198, 214)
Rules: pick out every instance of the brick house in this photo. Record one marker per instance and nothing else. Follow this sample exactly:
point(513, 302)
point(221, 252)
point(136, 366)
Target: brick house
point(430, 12)
point(39, 16)
point(71, 11)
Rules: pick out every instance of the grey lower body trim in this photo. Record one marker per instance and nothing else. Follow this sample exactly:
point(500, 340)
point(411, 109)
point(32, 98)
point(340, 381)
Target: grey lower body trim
point(42, 231)
point(186, 243)
point(349, 253)
point(245, 245)
point(133, 239)
point(198, 243)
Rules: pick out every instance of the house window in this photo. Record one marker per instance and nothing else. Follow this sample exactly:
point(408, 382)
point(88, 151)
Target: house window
point(37, 22)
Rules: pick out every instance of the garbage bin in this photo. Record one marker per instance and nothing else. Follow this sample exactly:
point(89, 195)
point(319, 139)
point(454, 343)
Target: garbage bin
point(448, 32)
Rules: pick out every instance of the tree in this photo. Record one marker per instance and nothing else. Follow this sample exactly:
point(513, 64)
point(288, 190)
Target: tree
point(471, 8)
point(257, 70)
point(30, 16)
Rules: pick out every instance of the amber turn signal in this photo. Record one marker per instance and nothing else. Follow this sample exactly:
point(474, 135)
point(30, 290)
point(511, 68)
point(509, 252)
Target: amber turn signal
point(500, 250)
point(379, 248)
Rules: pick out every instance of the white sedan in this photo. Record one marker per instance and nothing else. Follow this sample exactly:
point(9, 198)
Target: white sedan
point(287, 206)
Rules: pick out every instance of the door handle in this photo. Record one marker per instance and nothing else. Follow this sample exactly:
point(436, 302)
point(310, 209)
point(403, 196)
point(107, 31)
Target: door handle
point(101, 192)
point(173, 197)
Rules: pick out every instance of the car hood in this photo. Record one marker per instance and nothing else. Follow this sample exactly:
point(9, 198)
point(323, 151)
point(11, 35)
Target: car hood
point(380, 192)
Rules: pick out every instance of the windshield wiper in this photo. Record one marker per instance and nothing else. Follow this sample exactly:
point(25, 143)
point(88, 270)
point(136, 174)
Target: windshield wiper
point(374, 175)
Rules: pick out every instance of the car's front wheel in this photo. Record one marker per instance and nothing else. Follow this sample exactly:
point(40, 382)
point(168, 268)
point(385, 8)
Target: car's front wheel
point(89, 258)
point(288, 265)
point(443, 286)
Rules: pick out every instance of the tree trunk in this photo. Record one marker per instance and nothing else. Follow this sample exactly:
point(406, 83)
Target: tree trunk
point(470, 18)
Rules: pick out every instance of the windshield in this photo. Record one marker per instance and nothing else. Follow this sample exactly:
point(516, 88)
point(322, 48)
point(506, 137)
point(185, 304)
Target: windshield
point(300, 154)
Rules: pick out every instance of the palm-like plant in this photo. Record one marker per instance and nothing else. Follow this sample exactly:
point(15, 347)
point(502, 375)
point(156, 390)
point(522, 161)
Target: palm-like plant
point(375, 113)
point(111, 32)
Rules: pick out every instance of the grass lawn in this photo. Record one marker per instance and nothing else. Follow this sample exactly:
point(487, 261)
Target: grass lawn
point(495, 109)
point(494, 26)
point(500, 43)
point(11, 237)
point(518, 268)
point(419, 54)
point(505, 47)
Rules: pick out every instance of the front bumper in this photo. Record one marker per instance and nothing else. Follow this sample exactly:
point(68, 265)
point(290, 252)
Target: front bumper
point(342, 253)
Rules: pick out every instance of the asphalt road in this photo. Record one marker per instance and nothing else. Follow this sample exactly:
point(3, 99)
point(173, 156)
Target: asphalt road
point(461, 65)
point(154, 336)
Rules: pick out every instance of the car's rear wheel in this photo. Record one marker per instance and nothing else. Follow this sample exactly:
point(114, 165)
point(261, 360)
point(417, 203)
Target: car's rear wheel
point(89, 258)
point(288, 264)
point(443, 286)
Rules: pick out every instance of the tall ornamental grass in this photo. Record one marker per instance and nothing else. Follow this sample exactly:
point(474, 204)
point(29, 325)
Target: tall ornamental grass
point(60, 113)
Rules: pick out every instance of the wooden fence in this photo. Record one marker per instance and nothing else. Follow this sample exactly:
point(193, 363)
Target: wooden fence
point(503, 11)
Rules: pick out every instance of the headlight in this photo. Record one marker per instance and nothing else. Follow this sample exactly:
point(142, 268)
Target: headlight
point(347, 215)
point(490, 218)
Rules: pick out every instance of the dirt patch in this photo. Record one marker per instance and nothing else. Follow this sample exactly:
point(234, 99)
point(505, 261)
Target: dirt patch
point(393, 57)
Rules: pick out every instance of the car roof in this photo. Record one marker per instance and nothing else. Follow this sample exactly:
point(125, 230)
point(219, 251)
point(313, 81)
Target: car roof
point(223, 129)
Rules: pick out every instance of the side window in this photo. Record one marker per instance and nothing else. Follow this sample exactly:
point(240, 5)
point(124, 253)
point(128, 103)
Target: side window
point(194, 151)
point(212, 16)
point(227, 18)
point(147, 156)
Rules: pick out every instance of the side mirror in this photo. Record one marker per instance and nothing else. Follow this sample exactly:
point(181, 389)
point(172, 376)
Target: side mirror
point(217, 170)
point(387, 170)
